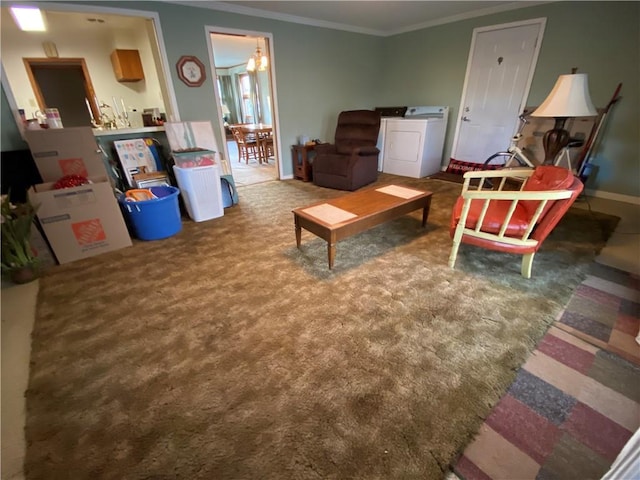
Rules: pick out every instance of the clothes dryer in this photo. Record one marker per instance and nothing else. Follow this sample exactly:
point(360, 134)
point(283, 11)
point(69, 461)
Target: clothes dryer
point(412, 146)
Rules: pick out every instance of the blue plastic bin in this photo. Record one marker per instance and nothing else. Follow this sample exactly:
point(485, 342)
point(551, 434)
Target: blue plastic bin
point(156, 218)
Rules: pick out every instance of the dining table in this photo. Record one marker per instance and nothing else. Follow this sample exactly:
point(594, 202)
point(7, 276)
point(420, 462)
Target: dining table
point(262, 132)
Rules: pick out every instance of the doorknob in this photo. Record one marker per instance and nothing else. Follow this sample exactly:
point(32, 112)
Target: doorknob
point(466, 119)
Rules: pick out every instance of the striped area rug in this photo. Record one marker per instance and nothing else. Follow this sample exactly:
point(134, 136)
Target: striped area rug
point(576, 401)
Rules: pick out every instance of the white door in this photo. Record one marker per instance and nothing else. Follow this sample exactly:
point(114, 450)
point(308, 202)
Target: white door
point(499, 72)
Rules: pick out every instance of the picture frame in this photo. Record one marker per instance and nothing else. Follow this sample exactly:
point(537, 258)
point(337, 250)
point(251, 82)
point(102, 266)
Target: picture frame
point(191, 71)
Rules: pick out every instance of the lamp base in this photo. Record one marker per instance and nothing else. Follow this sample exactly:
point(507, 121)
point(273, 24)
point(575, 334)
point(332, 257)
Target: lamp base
point(555, 140)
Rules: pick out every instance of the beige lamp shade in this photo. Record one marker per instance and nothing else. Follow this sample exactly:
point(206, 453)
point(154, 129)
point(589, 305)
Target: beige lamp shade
point(569, 98)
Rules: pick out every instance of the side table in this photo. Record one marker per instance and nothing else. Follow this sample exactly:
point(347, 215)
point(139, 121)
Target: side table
point(301, 156)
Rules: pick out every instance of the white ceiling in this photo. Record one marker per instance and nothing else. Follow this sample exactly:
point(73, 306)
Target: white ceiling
point(381, 18)
point(232, 50)
point(372, 17)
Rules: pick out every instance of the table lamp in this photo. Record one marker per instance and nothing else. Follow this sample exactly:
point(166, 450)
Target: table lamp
point(569, 98)
point(225, 113)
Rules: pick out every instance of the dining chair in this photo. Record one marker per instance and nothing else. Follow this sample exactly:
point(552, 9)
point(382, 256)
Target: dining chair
point(268, 149)
point(247, 148)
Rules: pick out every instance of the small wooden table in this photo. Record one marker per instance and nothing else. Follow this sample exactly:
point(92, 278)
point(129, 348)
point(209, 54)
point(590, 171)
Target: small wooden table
point(341, 217)
point(301, 156)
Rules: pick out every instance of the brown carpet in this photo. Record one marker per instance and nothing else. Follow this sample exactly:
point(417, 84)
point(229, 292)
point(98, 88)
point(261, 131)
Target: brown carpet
point(225, 352)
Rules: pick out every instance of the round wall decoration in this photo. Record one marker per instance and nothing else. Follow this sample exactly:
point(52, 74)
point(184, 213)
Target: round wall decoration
point(191, 71)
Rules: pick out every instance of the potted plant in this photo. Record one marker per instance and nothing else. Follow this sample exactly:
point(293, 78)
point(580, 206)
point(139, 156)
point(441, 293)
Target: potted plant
point(19, 258)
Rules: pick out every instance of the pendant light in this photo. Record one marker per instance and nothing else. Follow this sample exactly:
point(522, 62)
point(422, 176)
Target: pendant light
point(258, 61)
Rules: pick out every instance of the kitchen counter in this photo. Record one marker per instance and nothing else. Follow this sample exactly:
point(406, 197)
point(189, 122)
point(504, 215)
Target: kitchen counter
point(125, 131)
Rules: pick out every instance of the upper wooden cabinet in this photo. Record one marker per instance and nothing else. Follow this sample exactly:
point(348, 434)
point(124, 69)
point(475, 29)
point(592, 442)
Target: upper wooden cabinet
point(127, 65)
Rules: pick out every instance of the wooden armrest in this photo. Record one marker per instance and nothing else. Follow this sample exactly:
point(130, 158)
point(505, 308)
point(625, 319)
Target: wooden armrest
point(517, 195)
point(504, 172)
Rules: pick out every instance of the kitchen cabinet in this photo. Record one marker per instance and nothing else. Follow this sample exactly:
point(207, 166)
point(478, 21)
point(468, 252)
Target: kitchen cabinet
point(127, 65)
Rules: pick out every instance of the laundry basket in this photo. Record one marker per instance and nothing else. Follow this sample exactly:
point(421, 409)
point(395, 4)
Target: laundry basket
point(201, 191)
point(155, 218)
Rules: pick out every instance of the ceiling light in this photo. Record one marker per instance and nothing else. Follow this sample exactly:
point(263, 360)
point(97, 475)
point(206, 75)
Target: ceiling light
point(258, 61)
point(28, 18)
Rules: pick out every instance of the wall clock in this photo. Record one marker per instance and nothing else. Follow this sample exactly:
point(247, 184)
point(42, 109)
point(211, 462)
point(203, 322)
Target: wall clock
point(191, 71)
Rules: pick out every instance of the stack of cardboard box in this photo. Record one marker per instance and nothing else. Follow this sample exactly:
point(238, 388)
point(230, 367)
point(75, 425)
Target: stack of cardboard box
point(83, 221)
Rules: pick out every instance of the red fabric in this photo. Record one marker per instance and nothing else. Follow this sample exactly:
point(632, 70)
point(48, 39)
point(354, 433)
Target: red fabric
point(556, 212)
point(546, 177)
point(544, 227)
point(494, 217)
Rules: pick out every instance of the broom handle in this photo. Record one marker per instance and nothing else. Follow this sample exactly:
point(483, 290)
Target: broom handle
point(588, 148)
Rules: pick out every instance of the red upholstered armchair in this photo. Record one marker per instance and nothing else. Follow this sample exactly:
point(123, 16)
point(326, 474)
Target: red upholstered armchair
point(512, 221)
point(352, 161)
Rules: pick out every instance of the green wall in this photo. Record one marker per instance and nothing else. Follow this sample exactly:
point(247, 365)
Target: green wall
point(602, 39)
point(320, 72)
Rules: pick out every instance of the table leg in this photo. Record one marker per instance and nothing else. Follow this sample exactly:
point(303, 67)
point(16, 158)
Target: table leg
point(425, 212)
point(259, 145)
point(298, 232)
point(331, 251)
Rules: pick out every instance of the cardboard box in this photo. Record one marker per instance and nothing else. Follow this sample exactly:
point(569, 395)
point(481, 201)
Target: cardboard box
point(80, 222)
point(532, 133)
point(65, 151)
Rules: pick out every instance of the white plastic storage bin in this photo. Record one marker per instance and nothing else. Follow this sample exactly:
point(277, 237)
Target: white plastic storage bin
point(201, 191)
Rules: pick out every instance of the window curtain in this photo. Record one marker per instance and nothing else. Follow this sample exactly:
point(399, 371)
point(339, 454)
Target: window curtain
point(255, 97)
point(228, 98)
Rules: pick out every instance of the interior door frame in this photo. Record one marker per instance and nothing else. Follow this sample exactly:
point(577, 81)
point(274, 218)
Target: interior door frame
point(541, 22)
point(29, 63)
point(210, 29)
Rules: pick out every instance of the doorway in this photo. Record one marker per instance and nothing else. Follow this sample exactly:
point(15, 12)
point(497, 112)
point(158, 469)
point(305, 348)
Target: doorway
point(65, 84)
point(88, 30)
point(500, 69)
point(245, 96)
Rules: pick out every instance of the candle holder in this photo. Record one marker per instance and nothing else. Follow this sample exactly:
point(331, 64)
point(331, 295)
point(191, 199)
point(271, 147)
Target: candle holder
point(107, 121)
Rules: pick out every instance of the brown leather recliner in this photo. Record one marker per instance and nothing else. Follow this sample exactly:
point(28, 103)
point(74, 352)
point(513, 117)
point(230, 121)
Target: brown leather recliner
point(352, 161)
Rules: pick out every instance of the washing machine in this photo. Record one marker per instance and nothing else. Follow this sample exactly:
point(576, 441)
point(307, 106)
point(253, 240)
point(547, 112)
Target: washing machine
point(412, 145)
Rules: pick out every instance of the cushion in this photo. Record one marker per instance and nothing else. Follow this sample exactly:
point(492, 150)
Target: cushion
point(332, 164)
point(494, 217)
point(546, 177)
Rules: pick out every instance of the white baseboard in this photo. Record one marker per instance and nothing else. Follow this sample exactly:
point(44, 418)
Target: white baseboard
point(613, 196)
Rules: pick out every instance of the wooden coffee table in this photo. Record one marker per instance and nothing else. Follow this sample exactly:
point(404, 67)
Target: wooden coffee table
point(341, 217)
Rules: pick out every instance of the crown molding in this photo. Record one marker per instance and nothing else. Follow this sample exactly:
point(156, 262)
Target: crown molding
point(256, 12)
point(466, 16)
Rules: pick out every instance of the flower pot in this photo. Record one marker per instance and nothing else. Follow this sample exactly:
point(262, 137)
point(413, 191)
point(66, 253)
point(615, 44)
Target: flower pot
point(24, 274)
